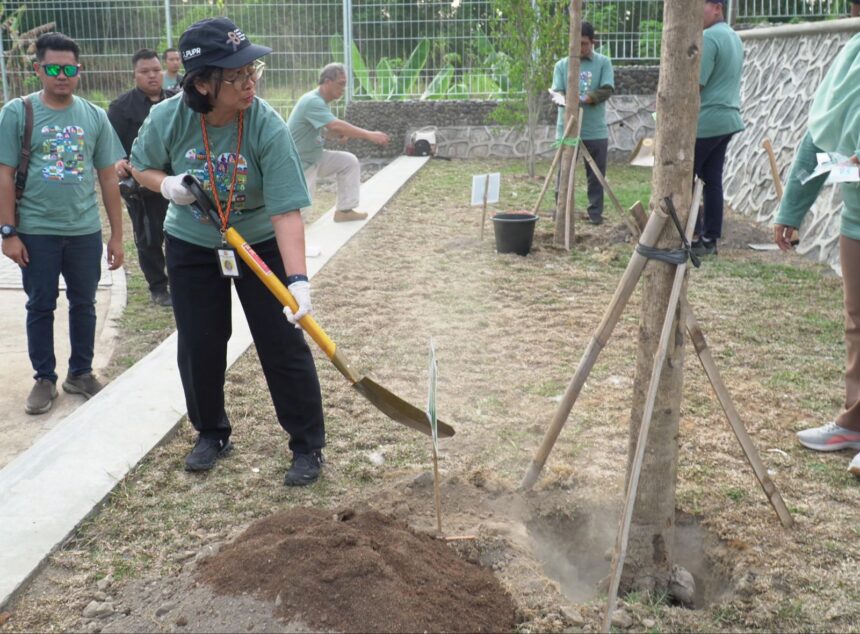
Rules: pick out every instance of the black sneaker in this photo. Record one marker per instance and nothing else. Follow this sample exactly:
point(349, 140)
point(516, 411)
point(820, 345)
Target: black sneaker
point(161, 298)
point(305, 469)
point(703, 246)
point(595, 219)
point(206, 451)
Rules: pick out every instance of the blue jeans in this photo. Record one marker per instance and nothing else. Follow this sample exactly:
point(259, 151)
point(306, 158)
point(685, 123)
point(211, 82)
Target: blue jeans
point(78, 259)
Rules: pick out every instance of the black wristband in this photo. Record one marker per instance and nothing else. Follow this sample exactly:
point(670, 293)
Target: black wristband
point(296, 278)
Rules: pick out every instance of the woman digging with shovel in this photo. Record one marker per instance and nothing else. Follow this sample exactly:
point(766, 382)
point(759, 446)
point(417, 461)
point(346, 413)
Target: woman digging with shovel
point(219, 131)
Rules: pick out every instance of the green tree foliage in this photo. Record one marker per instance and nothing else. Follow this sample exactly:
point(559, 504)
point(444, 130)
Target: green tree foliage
point(533, 36)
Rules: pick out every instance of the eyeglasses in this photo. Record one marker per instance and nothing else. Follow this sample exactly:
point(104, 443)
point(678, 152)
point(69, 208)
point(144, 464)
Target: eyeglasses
point(69, 70)
point(243, 77)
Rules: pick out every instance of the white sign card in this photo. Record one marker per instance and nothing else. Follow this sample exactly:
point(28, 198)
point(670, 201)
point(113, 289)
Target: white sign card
point(479, 181)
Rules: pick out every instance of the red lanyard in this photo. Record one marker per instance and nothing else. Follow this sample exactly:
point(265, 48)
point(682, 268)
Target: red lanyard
point(224, 215)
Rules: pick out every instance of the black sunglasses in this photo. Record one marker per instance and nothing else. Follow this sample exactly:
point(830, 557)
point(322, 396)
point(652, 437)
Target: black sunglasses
point(69, 70)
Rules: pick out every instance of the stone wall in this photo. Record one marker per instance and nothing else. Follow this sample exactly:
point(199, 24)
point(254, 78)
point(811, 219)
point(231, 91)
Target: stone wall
point(465, 129)
point(783, 67)
point(636, 80)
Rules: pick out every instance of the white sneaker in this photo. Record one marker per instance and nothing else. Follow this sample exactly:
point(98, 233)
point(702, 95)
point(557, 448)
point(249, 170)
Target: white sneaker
point(829, 437)
point(854, 466)
point(312, 251)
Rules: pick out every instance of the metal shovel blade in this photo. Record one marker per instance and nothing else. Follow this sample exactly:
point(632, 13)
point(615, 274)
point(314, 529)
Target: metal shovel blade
point(397, 409)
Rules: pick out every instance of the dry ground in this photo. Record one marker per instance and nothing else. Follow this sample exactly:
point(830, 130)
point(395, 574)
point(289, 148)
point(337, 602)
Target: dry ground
point(509, 332)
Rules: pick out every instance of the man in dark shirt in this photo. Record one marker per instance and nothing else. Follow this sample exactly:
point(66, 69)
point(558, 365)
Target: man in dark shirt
point(147, 209)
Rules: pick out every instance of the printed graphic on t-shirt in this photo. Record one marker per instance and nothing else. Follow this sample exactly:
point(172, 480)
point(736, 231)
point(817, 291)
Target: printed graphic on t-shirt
point(223, 166)
point(584, 82)
point(63, 153)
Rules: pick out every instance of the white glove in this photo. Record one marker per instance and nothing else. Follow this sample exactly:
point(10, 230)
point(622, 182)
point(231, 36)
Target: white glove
point(173, 190)
point(301, 291)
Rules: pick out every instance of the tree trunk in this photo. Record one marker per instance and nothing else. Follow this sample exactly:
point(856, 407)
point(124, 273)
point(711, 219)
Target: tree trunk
point(571, 109)
point(649, 554)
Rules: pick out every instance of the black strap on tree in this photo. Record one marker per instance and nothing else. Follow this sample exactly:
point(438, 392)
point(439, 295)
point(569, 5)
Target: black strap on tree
point(671, 256)
point(24, 162)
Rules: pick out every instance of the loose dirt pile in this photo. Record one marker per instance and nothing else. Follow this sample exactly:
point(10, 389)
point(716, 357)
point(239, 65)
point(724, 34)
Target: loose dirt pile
point(361, 572)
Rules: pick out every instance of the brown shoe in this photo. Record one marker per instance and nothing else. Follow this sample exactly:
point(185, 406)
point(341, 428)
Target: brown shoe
point(348, 215)
point(41, 397)
point(85, 384)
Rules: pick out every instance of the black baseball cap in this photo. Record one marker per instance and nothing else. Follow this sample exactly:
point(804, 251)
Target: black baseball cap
point(217, 42)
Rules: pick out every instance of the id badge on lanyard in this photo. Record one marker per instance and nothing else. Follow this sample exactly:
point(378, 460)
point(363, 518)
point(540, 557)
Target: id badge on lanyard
point(228, 263)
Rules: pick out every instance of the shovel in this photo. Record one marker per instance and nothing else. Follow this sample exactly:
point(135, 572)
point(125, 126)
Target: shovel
point(385, 401)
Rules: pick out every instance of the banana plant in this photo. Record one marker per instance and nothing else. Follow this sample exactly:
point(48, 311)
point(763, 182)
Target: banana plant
point(386, 82)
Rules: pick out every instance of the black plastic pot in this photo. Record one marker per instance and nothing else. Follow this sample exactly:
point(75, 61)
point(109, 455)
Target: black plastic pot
point(514, 232)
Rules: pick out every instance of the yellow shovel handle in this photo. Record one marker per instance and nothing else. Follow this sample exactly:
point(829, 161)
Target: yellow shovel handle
point(250, 257)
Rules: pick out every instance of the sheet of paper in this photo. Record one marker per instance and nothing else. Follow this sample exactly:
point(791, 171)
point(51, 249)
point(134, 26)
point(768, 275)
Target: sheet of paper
point(557, 98)
point(478, 183)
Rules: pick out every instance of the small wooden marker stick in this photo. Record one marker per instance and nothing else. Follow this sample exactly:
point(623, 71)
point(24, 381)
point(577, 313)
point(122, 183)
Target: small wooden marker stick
point(436, 491)
point(484, 212)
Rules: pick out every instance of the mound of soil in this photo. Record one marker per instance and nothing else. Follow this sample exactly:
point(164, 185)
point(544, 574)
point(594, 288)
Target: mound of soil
point(358, 572)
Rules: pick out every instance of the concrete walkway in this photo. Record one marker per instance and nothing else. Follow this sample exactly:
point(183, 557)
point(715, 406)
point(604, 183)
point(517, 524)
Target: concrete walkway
point(50, 488)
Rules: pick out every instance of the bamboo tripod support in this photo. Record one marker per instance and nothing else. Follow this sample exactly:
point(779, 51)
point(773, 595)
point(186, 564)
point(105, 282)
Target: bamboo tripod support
point(571, 178)
point(651, 228)
point(635, 266)
point(644, 427)
point(552, 167)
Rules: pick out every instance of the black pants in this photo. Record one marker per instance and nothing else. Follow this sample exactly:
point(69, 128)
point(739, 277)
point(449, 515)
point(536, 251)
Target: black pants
point(599, 150)
point(201, 306)
point(710, 156)
point(147, 214)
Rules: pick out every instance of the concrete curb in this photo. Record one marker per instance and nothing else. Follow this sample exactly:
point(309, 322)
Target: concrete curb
point(47, 491)
point(110, 330)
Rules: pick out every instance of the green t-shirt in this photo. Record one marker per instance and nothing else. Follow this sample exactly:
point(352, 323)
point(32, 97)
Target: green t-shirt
point(720, 81)
point(306, 122)
point(60, 195)
point(167, 82)
point(594, 73)
point(834, 119)
point(269, 181)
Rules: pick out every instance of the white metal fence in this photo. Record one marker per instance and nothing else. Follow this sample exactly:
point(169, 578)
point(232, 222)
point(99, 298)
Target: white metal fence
point(752, 11)
point(392, 48)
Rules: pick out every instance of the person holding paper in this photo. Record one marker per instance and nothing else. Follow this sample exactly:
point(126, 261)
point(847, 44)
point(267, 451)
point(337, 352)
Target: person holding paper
point(834, 127)
point(596, 84)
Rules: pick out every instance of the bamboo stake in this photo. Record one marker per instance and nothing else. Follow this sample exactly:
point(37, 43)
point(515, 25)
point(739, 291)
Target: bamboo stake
point(774, 170)
point(605, 184)
point(484, 212)
point(436, 491)
point(626, 286)
point(700, 344)
point(552, 167)
point(571, 199)
point(644, 427)
point(749, 448)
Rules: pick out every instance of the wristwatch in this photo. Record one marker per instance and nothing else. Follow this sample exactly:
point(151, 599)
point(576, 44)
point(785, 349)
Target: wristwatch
point(7, 231)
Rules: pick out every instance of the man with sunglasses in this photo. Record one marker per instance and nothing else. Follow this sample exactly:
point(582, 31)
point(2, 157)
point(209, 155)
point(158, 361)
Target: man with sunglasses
point(56, 228)
point(146, 208)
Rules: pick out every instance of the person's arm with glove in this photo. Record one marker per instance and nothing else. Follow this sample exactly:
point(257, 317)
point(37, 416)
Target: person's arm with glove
point(290, 235)
point(171, 187)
